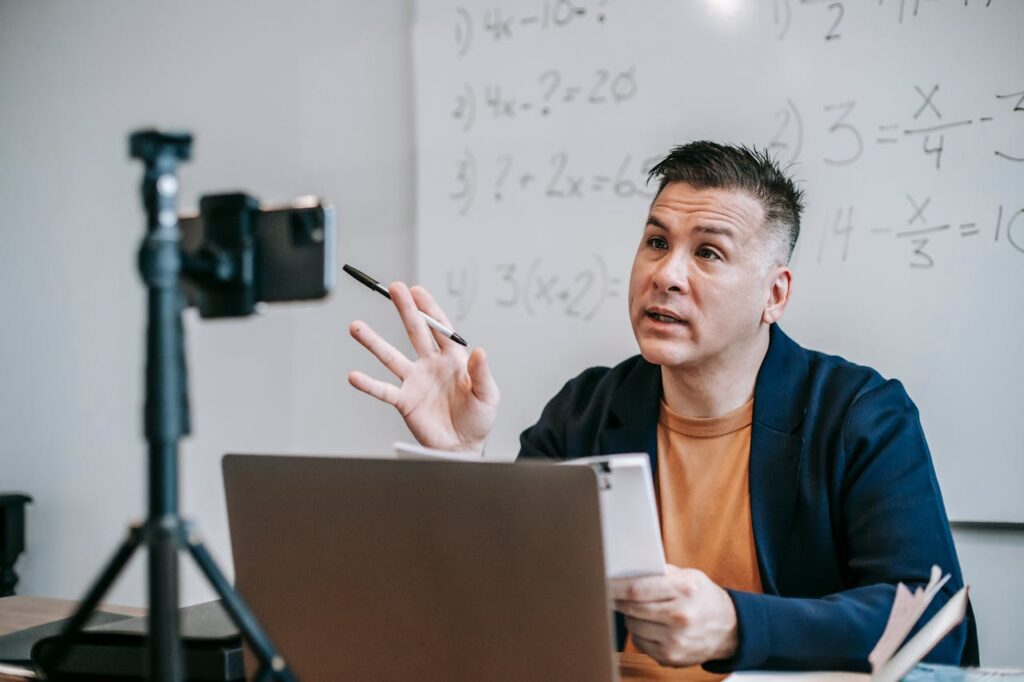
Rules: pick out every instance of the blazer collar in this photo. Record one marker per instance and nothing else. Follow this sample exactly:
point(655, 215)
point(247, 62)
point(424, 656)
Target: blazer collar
point(781, 391)
point(633, 426)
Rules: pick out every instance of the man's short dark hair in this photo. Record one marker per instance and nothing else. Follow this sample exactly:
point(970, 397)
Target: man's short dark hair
point(710, 165)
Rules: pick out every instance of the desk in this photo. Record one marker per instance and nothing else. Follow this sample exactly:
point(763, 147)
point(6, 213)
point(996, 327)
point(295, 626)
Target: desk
point(20, 612)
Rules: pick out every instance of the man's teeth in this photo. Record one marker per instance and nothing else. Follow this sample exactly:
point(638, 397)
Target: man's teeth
point(663, 318)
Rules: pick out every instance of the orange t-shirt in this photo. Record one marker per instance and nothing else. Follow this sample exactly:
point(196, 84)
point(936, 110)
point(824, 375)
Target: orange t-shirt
point(703, 488)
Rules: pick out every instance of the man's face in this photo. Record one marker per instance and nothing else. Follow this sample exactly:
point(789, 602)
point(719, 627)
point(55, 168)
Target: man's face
point(700, 281)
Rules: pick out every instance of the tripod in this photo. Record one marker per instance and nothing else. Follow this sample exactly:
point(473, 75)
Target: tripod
point(164, 532)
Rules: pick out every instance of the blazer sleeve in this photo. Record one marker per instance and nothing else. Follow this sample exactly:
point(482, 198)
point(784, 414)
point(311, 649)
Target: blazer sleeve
point(892, 528)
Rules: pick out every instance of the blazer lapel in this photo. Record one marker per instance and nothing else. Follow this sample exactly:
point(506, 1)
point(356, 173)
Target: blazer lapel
point(780, 401)
point(633, 422)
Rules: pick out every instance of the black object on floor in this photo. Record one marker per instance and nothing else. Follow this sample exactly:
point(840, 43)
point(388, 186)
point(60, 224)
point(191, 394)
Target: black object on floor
point(212, 648)
point(16, 647)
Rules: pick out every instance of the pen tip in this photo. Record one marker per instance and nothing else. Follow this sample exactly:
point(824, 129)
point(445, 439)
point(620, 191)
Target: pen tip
point(458, 339)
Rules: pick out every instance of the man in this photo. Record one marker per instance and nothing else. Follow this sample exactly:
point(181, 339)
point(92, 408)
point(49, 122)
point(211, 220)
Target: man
point(795, 488)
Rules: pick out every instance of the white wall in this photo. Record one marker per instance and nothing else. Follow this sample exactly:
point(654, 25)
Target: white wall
point(284, 98)
point(992, 561)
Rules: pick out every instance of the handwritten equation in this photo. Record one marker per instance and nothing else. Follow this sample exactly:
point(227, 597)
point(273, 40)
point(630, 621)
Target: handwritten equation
point(925, 126)
point(536, 287)
point(553, 91)
point(500, 24)
point(834, 13)
point(506, 176)
point(1002, 226)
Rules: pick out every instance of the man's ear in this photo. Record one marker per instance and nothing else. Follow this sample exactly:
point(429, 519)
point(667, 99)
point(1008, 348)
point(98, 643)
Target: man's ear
point(778, 294)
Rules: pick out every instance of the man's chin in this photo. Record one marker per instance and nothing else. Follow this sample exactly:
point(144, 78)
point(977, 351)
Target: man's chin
point(666, 354)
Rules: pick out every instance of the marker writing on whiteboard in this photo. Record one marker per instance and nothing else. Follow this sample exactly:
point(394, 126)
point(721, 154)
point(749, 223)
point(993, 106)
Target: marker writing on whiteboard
point(363, 278)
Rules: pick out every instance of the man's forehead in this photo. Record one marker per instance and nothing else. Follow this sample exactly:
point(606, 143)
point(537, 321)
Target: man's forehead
point(730, 205)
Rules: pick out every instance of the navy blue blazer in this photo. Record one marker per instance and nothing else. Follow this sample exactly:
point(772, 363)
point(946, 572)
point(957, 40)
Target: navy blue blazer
point(843, 499)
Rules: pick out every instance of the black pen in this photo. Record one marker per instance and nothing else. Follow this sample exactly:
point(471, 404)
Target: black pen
point(376, 286)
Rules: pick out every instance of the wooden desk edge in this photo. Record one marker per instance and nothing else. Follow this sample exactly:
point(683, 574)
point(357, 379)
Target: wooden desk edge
point(20, 612)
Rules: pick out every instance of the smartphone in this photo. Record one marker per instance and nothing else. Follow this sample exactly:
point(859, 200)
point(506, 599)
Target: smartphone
point(286, 252)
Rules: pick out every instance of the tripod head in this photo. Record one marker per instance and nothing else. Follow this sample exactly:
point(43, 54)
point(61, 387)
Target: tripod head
point(150, 146)
point(161, 152)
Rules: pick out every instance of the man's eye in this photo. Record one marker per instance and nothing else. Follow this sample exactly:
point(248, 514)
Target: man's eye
point(657, 243)
point(707, 254)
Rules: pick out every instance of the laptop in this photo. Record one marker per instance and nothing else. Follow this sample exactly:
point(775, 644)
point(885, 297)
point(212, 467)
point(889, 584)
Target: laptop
point(371, 569)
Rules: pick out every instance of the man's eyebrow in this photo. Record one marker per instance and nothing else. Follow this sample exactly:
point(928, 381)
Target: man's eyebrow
point(707, 229)
point(714, 229)
point(654, 222)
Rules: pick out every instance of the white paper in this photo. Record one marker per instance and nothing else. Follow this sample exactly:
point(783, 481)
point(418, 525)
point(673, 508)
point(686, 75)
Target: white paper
point(630, 530)
point(414, 451)
point(18, 672)
point(808, 676)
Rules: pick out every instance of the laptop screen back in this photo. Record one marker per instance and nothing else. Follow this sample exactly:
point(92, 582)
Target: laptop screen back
point(398, 570)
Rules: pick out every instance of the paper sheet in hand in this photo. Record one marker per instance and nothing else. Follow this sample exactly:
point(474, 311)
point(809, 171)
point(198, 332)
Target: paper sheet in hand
point(629, 514)
point(630, 530)
point(413, 451)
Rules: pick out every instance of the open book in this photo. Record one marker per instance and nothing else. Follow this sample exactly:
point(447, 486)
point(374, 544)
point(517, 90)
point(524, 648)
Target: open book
point(889, 662)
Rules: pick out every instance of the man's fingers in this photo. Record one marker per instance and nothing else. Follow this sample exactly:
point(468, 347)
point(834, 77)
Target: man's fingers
point(675, 582)
point(658, 642)
point(647, 588)
point(380, 390)
point(653, 634)
point(415, 326)
point(666, 612)
point(425, 302)
point(484, 386)
point(389, 356)
point(648, 646)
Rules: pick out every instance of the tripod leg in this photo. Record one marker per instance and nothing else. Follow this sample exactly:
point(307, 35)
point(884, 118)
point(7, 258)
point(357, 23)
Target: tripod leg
point(272, 664)
point(164, 651)
point(91, 600)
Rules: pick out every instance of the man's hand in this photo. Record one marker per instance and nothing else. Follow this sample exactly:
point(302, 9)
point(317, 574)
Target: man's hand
point(678, 619)
point(448, 400)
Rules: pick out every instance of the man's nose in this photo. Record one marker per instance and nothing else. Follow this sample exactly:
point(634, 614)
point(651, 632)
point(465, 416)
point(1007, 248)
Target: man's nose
point(672, 274)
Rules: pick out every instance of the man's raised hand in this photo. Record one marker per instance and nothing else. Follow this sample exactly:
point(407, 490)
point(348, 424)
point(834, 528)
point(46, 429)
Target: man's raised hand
point(447, 398)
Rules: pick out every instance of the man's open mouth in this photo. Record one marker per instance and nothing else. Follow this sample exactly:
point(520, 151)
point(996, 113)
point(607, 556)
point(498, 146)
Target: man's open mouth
point(664, 317)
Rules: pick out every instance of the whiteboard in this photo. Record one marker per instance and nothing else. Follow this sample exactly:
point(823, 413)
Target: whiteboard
point(902, 119)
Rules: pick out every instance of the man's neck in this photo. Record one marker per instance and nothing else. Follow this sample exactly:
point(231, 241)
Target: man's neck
point(716, 388)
